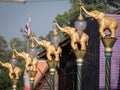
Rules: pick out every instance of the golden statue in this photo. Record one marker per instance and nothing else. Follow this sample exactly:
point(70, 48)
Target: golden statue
point(50, 49)
point(105, 22)
point(13, 72)
point(28, 60)
point(75, 39)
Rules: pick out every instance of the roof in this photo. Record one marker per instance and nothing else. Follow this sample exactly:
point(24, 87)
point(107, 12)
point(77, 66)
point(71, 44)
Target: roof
point(42, 67)
point(116, 12)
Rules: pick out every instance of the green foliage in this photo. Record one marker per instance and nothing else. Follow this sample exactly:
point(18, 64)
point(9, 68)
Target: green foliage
point(3, 48)
point(3, 43)
point(66, 19)
point(102, 5)
point(5, 55)
point(5, 81)
point(18, 43)
point(69, 17)
point(49, 35)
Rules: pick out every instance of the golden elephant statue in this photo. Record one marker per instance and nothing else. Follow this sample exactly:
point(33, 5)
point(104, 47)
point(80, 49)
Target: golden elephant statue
point(12, 71)
point(28, 61)
point(105, 22)
point(75, 38)
point(50, 49)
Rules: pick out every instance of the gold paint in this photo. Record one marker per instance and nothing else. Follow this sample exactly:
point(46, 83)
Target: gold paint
point(13, 56)
point(108, 49)
point(79, 59)
point(80, 17)
point(75, 39)
point(51, 63)
point(52, 69)
point(32, 79)
point(12, 71)
point(32, 45)
point(77, 52)
point(55, 32)
point(50, 49)
point(15, 83)
point(105, 22)
point(14, 86)
point(33, 73)
point(28, 61)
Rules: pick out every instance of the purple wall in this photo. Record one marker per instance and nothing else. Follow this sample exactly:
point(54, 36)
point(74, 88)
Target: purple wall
point(115, 60)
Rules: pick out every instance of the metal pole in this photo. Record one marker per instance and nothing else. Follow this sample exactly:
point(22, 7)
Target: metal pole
point(107, 70)
point(52, 64)
point(52, 80)
point(14, 88)
point(31, 84)
point(79, 75)
point(31, 80)
point(79, 54)
point(108, 44)
point(32, 75)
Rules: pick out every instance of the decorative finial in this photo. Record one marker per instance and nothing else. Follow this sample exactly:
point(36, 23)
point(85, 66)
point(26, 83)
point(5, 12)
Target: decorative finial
point(80, 16)
point(32, 45)
point(54, 20)
point(55, 31)
point(33, 34)
point(13, 55)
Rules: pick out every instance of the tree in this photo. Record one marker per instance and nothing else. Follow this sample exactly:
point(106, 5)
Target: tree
point(6, 55)
point(103, 5)
point(69, 17)
point(4, 80)
point(18, 43)
point(3, 47)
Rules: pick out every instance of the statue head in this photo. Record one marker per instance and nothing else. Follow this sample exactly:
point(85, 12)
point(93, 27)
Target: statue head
point(97, 14)
point(69, 30)
point(44, 43)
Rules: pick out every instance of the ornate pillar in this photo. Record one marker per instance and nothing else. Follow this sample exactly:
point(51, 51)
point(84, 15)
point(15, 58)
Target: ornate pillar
point(108, 43)
point(80, 55)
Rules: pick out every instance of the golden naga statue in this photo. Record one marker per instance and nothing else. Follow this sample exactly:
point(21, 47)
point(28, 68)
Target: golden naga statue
point(50, 49)
point(105, 22)
point(13, 72)
point(28, 60)
point(75, 39)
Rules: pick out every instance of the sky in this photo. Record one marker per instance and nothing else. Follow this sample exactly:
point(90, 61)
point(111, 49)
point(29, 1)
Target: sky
point(14, 16)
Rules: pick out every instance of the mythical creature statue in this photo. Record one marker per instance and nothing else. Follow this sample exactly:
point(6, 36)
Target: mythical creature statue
point(50, 49)
point(105, 22)
point(75, 38)
point(13, 72)
point(29, 62)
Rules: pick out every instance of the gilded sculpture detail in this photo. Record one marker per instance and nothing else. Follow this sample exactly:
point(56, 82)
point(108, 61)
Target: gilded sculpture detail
point(28, 60)
point(50, 49)
point(13, 72)
point(75, 38)
point(105, 22)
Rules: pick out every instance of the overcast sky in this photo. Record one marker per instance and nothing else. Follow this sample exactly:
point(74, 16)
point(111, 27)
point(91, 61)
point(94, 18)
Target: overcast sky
point(14, 16)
